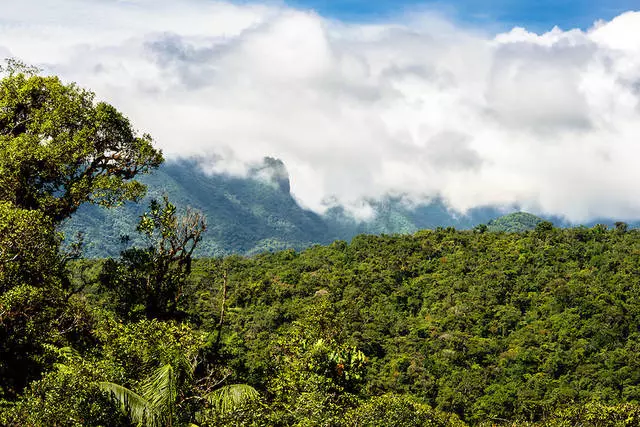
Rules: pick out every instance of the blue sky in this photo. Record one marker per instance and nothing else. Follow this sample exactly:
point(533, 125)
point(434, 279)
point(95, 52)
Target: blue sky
point(537, 15)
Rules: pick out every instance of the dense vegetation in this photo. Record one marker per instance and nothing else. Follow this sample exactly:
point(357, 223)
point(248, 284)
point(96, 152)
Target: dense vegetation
point(514, 222)
point(438, 328)
point(485, 325)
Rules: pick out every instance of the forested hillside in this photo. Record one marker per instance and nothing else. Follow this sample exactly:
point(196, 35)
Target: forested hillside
point(514, 222)
point(257, 213)
point(246, 215)
point(489, 326)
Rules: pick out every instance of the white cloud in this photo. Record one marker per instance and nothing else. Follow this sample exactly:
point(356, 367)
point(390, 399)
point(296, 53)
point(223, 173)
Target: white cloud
point(416, 106)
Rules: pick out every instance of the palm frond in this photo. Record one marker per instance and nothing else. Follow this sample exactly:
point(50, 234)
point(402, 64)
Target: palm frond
point(232, 397)
point(160, 389)
point(137, 407)
point(185, 366)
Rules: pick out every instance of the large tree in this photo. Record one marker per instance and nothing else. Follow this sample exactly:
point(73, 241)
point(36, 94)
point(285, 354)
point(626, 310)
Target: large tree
point(59, 148)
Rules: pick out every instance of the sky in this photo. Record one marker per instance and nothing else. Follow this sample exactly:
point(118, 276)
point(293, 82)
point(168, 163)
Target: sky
point(534, 104)
point(540, 15)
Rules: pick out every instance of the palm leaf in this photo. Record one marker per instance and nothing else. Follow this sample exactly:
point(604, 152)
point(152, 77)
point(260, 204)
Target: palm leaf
point(232, 397)
point(137, 407)
point(160, 390)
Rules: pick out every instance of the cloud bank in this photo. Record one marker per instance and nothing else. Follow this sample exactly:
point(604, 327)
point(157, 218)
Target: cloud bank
point(416, 106)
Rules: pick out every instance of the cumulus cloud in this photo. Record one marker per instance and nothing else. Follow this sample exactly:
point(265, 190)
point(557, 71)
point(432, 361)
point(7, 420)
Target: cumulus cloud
point(415, 106)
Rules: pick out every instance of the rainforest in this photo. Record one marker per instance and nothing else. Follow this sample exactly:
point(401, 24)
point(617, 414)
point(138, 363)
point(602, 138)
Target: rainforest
point(515, 325)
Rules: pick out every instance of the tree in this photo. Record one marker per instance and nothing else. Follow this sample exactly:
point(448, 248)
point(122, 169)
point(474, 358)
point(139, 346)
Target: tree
point(151, 370)
point(316, 376)
point(156, 405)
point(152, 278)
point(159, 402)
point(28, 247)
point(35, 304)
point(67, 395)
point(398, 411)
point(481, 228)
point(544, 226)
point(59, 148)
point(622, 227)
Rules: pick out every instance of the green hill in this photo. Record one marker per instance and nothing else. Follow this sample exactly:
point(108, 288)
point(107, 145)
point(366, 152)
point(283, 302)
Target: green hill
point(245, 215)
point(256, 213)
point(490, 326)
point(514, 222)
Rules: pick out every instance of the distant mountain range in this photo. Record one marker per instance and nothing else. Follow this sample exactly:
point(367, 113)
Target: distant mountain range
point(256, 213)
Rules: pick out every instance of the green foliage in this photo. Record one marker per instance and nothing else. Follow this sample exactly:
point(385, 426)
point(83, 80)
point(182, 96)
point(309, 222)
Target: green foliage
point(169, 396)
point(488, 326)
point(398, 411)
point(230, 398)
point(67, 395)
point(35, 302)
point(59, 148)
point(514, 222)
point(140, 347)
point(30, 318)
point(595, 414)
point(28, 248)
point(156, 406)
point(150, 280)
point(317, 376)
point(136, 407)
point(153, 360)
point(234, 404)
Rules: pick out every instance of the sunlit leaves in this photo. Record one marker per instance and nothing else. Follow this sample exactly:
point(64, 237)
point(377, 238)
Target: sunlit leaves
point(59, 148)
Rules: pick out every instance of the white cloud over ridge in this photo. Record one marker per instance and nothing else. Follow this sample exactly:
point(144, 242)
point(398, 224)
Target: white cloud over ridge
point(417, 106)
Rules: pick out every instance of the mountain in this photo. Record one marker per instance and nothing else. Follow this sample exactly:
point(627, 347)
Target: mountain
point(244, 215)
point(394, 216)
point(257, 213)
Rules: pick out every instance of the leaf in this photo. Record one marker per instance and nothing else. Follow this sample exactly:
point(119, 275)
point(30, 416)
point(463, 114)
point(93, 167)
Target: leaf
point(137, 407)
point(232, 397)
point(160, 389)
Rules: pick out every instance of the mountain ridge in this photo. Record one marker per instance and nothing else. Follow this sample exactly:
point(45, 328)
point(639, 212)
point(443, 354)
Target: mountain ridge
point(257, 213)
